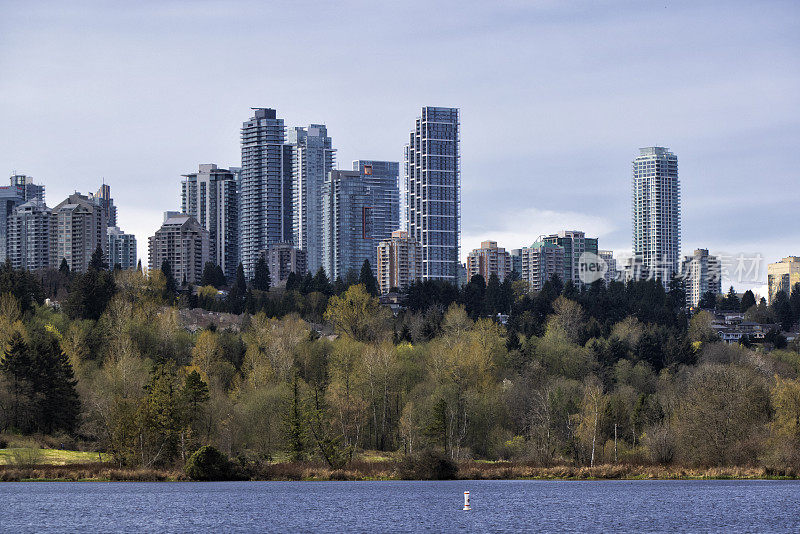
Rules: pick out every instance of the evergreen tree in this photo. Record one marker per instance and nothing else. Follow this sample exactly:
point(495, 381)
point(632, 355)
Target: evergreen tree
point(748, 301)
point(139, 267)
point(210, 275)
point(90, 294)
point(64, 267)
point(17, 367)
point(261, 278)
point(171, 285)
point(307, 284)
point(220, 280)
point(98, 261)
point(494, 295)
point(238, 292)
point(474, 296)
point(708, 301)
point(783, 310)
point(731, 302)
point(794, 302)
point(56, 402)
point(295, 425)
point(292, 282)
point(321, 282)
point(368, 279)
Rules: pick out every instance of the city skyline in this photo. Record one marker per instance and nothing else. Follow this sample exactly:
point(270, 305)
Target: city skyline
point(735, 150)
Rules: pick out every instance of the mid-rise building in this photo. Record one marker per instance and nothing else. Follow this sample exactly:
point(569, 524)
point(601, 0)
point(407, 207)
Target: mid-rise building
point(656, 213)
point(575, 244)
point(433, 191)
point(266, 189)
point(356, 206)
point(782, 276)
point(541, 262)
point(488, 260)
point(30, 235)
point(80, 227)
point(121, 248)
point(612, 274)
point(309, 157)
point(283, 259)
point(702, 273)
point(209, 195)
point(399, 261)
point(183, 243)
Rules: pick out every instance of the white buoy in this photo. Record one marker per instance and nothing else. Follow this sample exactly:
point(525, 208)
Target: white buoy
point(466, 501)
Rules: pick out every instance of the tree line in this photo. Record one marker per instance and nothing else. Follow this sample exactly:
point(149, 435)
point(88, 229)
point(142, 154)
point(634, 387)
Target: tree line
point(319, 370)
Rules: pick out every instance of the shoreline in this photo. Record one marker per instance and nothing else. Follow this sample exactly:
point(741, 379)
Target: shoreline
point(388, 471)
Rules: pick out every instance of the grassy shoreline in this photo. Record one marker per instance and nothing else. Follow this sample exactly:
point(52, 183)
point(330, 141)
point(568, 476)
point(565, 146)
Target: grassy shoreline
point(377, 471)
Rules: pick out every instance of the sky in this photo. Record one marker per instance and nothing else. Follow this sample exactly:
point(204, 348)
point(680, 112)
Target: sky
point(556, 97)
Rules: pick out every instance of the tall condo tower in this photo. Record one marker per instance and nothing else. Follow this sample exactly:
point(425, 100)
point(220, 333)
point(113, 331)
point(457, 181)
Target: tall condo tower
point(209, 195)
point(265, 192)
point(656, 212)
point(309, 158)
point(433, 191)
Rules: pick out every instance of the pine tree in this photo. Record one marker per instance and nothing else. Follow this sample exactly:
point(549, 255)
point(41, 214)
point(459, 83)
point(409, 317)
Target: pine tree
point(321, 282)
point(64, 267)
point(56, 403)
point(17, 367)
point(98, 261)
point(261, 278)
point(292, 282)
point(171, 285)
point(368, 279)
point(238, 292)
point(748, 301)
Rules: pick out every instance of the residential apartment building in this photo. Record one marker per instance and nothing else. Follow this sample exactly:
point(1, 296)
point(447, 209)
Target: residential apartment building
point(432, 191)
point(80, 227)
point(574, 244)
point(356, 206)
point(656, 213)
point(209, 195)
point(702, 273)
point(183, 243)
point(266, 189)
point(382, 178)
point(30, 235)
point(488, 260)
point(782, 276)
point(309, 157)
point(399, 261)
point(612, 274)
point(20, 190)
point(103, 198)
point(121, 248)
point(540, 262)
point(283, 259)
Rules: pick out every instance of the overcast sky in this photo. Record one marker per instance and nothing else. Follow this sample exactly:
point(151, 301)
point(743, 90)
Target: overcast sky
point(556, 98)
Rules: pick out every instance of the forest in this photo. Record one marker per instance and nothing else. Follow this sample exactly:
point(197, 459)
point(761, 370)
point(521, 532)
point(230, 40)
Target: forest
point(321, 371)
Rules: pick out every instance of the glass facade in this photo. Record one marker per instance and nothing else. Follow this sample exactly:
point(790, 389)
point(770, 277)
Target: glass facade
point(433, 191)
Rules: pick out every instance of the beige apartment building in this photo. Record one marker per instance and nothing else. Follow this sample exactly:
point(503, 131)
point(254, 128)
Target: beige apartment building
point(399, 261)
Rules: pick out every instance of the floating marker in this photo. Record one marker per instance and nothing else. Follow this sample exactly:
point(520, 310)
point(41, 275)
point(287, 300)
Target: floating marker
point(466, 501)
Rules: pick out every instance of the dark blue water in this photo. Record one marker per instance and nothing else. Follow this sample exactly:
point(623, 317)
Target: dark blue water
point(497, 506)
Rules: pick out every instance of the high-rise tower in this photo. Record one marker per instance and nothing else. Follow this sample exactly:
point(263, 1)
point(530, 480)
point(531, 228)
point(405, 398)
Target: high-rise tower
point(656, 213)
point(433, 191)
point(209, 195)
point(265, 189)
point(310, 157)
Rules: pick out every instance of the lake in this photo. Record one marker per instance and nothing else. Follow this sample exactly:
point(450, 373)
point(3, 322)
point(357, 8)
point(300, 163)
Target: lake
point(497, 506)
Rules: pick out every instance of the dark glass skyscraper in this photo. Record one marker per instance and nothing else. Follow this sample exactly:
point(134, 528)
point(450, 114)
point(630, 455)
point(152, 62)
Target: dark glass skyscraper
point(433, 191)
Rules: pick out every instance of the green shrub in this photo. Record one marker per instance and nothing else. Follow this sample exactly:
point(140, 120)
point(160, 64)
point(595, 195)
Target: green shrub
point(429, 464)
point(207, 463)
